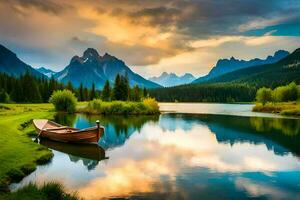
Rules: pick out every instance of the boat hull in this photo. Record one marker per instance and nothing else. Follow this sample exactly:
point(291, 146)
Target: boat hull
point(90, 135)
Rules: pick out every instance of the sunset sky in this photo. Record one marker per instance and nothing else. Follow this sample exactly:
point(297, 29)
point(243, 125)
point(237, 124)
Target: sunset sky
point(151, 36)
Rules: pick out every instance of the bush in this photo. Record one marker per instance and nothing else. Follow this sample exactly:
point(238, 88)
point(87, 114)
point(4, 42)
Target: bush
point(97, 106)
point(290, 92)
point(63, 100)
point(286, 93)
point(4, 97)
point(264, 95)
point(152, 104)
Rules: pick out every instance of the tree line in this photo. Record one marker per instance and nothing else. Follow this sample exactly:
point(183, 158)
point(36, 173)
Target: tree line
point(122, 91)
point(217, 92)
point(290, 92)
point(30, 89)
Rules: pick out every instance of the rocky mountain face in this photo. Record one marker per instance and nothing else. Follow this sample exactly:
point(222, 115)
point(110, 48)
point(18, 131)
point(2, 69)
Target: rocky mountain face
point(10, 64)
point(47, 72)
point(94, 68)
point(224, 66)
point(171, 79)
point(283, 72)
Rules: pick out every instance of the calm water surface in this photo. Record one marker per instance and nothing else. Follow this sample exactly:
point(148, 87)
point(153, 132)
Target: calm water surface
point(179, 156)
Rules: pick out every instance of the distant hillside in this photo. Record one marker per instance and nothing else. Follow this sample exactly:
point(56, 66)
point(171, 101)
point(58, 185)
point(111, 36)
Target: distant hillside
point(224, 66)
point(168, 80)
point(271, 75)
point(10, 64)
point(46, 72)
point(93, 68)
point(236, 86)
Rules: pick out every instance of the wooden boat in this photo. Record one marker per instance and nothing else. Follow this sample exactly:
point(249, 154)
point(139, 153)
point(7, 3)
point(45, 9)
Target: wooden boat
point(53, 131)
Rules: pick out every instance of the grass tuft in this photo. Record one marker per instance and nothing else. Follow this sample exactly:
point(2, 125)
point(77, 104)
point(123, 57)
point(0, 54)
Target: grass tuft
point(48, 191)
point(45, 158)
point(15, 174)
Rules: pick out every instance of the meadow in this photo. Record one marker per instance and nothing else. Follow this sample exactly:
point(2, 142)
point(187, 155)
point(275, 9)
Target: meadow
point(19, 155)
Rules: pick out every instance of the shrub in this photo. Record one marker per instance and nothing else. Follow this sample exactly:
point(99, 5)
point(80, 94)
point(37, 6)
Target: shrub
point(152, 104)
point(286, 93)
point(264, 95)
point(97, 106)
point(63, 100)
point(4, 97)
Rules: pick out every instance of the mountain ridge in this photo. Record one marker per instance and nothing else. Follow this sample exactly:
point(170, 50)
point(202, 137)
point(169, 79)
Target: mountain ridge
point(93, 68)
point(10, 64)
point(288, 69)
point(47, 72)
point(171, 79)
point(224, 66)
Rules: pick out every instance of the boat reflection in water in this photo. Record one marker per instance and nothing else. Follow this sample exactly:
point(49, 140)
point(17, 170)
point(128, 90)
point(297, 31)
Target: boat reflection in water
point(90, 154)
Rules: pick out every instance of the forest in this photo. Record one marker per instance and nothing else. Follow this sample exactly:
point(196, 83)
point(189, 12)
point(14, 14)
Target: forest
point(218, 92)
point(30, 89)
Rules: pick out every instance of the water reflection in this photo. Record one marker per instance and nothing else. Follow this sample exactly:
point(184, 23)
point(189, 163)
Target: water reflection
point(278, 134)
point(180, 156)
point(117, 128)
point(89, 154)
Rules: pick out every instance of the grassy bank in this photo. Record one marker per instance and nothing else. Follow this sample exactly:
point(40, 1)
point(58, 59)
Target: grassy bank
point(19, 155)
point(49, 191)
point(287, 108)
point(146, 107)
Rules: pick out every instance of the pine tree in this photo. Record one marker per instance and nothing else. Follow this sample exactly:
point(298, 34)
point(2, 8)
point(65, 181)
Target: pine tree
point(70, 86)
point(126, 87)
point(106, 93)
point(93, 92)
point(135, 93)
point(30, 89)
point(86, 96)
point(145, 92)
point(81, 96)
point(17, 92)
point(117, 91)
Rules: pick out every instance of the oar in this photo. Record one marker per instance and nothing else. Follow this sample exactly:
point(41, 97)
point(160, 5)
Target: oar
point(36, 138)
point(39, 133)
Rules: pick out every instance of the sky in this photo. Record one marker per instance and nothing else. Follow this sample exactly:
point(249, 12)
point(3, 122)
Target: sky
point(150, 36)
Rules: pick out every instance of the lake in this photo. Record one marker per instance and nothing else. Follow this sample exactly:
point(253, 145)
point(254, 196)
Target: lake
point(212, 154)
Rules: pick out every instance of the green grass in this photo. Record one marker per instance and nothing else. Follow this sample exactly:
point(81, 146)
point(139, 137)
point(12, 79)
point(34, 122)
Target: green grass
point(285, 108)
point(49, 191)
point(19, 155)
point(146, 107)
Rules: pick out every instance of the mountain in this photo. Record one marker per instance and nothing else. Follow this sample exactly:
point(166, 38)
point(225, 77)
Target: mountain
point(47, 72)
point(237, 86)
point(12, 65)
point(168, 80)
point(224, 66)
point(282, 72)
point(93, 68)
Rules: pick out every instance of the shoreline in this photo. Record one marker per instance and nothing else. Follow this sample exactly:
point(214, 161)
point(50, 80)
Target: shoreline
point(288, 109)
point(22, 129)
point(15, 121)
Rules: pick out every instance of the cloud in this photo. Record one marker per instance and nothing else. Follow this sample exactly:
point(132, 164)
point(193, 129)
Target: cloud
point(50, 6)
point(141, 32)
